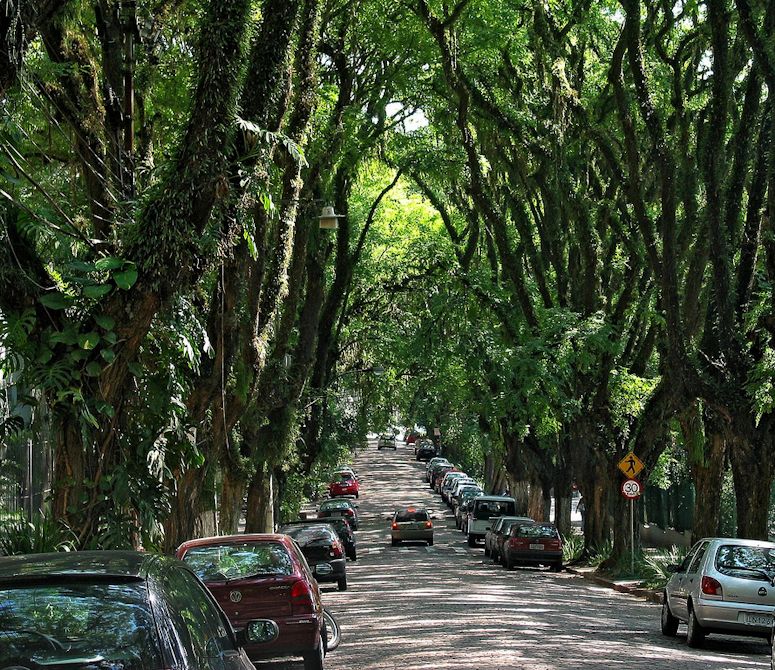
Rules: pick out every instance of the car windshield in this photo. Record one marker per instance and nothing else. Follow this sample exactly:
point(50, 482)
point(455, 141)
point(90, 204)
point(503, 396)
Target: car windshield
point(236, 561)
point(737, 560)
point(413, 515)
point(306, 535)
point(75, 622)
point(537, 530)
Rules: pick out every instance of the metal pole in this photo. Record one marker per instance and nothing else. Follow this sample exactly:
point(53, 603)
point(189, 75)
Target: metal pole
point(632, 535)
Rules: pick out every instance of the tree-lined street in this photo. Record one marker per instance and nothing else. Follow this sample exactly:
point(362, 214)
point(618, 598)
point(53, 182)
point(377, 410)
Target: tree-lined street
point(446, 606)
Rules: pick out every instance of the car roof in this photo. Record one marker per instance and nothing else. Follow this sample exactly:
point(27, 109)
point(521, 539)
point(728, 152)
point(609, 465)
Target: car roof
point(494, 498)
point(740, 541)
point(102, 563)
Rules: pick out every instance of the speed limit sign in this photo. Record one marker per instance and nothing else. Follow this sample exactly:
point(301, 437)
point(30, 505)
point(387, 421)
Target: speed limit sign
point(631, 489)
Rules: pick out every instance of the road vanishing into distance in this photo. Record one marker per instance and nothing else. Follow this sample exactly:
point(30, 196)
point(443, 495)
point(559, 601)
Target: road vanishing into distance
point(447, 606)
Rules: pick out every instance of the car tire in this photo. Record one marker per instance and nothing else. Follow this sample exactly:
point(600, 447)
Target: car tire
point(669, 623)
point(495, 557)
point(486, 551)
point(430, 543)
point(509, 563)
point(394, 543)
point(471, 541)
point(313, 660)
point(695, 633)
point(556, 567)
point(357, 495)
point(341, 584)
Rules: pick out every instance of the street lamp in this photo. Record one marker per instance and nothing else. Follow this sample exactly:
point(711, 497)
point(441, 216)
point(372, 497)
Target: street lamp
point(329, 219)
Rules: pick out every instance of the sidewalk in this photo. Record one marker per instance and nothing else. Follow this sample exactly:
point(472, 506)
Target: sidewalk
point(621, 586)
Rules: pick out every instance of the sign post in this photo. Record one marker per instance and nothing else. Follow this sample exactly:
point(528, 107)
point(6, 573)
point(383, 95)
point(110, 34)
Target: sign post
point(631, 489)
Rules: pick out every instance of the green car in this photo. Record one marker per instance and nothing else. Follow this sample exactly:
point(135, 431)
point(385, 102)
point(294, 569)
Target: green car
point(411, 524)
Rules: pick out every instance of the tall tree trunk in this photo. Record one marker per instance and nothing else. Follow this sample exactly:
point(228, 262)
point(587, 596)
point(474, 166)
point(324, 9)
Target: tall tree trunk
point(260, 512)
point(707, 470)
point(232, 494)
point(182, 522)
point(750, 456)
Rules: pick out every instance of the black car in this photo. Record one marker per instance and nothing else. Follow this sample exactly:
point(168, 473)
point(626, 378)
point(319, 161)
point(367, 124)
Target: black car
point(426, 451)
point(115, 609)
point(340, 525)
point(321, 547)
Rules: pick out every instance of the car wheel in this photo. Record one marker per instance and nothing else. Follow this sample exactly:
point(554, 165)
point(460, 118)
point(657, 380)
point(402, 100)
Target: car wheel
point(394, 543)
point(486, 551)
point(471, 541)
point(342, 584)
point(668, 621)
point(357, 494)
point(509, 563)
point(695, 633)
point(430, 543)
point(495, 557)
point(313, 660)
point(556, 567)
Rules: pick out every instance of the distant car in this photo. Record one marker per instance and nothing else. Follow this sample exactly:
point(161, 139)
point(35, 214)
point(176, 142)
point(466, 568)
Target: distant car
point(339, 507)
point(461, 486)
point(344, 486)
point(449, 484)
point(116, 609)
point(411, 524)
point(434, 461)
point(461, 513)
point(342, 528)
point(482, 510)
point(425, 451)
point(723, 586)
point(533, 544)
point(345, 470)
point(493, 541)
point(263, 574)
point(323, 550)
point(438, 478)
point(386, 441)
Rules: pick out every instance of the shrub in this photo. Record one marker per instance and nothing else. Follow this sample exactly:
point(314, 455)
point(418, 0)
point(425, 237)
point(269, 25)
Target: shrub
point(653, 567)
point(41, 535)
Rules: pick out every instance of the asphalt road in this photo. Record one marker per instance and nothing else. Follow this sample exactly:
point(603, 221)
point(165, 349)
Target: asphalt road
point(447, 606)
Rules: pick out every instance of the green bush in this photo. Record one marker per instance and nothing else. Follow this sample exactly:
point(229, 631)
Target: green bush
point(653, 566)
point(572, 546)
point(39, 536)
point(601, 553)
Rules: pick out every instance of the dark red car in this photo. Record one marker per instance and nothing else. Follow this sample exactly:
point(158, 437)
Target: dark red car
point(344, 486)
point(532, 544)
point(263, 576)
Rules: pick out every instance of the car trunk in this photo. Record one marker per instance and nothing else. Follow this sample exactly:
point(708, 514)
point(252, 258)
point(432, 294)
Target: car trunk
point(264, 598)
point(748, 591)
point(317, 552)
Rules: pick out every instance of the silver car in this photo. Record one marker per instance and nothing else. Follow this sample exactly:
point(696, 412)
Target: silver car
point(723, 586)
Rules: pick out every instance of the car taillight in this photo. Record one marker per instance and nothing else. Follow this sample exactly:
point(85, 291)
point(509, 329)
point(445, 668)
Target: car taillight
point(349, 512)
point(337, 551)
point(394, 526)
point(429, 524)
point(301, 598)
point(711, 587)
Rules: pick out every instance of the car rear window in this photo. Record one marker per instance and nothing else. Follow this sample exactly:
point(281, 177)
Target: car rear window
point(484, 509)
point(218, 562)
point(536, 530)
point(339, 504)
point(406, 515)
point(737, 560)
point(56, 624)
point(305, 535)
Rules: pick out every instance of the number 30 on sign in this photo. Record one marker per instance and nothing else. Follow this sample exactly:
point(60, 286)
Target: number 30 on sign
point(631, 489)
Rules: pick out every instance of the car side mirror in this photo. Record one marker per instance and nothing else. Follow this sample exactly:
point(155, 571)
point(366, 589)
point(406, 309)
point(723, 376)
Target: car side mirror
point(258, 631)
point(673, 568)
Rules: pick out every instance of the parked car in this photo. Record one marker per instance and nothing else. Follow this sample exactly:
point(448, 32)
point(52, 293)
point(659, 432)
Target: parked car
point(493, 541)
point(462, 487)
point(533, 544)
point(425, 451)
point(342, 528)
point(439, 476)
point(461, 513)
point(452, 487)
point(434, 461)
point(386, 441)
point(723, 586)
point(411, 524)
point(324, 552)
point(345, 470)
point(482, 510)
point(344, 486)
point(334, 507)
point(448, 480)
point(118, 609)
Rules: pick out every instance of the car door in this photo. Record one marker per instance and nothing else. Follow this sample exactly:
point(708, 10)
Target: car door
point(683, 581)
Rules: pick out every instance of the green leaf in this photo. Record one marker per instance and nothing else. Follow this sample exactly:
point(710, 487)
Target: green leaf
point(55, 300)
point(82, 266)
point(108, 355)
point(88, 340)
point(110, 337)
point(105, 408)
point(66, 336)
point(125, 279)
point(109, 263)
point(97, 291)
point(93, 369)
point(106, 322)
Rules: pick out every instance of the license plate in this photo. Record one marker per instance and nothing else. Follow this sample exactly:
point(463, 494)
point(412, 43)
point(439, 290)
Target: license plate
point(537, 547)
point(757, 619)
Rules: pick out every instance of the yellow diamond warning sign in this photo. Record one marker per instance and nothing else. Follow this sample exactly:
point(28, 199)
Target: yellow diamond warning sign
point(631, 465)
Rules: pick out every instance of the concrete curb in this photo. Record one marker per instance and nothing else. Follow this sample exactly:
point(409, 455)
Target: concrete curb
point(648, 594)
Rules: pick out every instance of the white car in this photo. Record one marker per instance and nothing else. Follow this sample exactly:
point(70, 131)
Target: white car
point(483, 510)
point(723, 586)
point(386, 441)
